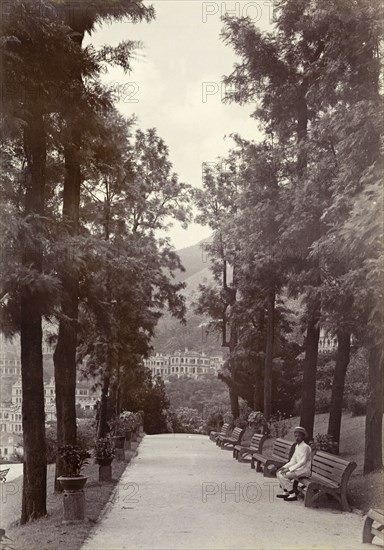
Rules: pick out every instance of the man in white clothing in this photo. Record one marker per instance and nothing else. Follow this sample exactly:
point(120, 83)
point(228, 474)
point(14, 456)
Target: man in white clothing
point(298, 466)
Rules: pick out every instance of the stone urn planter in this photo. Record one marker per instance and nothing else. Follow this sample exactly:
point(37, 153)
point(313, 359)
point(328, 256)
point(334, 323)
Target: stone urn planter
point(105, 468)
point(73, 460)
point(73, 484)
point(118, 442)
point(127, 441)
point(104, 454)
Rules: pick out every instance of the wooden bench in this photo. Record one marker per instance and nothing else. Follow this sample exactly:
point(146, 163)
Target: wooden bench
point(224, 431)
point(329, 475)
point(3, 474)
point(256, 446)
point(373, 525)
point(234, 439)
point(281, 454)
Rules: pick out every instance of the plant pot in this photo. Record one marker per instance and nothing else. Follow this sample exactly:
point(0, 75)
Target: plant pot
point(118, 441)
point(104, 461)
point(72, 484)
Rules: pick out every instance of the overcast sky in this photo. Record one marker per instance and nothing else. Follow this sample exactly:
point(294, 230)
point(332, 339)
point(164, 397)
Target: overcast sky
point(175, 85)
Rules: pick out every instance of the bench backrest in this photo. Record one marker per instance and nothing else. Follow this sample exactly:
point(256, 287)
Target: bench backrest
point(225, 429)
point(331, 468)
point(237, 434)
point(257, 443)
point(281, 449)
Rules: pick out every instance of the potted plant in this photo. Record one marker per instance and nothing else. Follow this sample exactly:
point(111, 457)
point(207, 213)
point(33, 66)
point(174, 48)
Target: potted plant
point(73, 459)
point(129, 422)
point(104, 451)
point(104, 454)
point(118, 432)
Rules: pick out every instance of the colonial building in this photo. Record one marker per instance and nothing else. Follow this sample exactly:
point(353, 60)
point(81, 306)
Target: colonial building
point(183, 363)
point(327, 341)
point(9, 358)
point(10, 412)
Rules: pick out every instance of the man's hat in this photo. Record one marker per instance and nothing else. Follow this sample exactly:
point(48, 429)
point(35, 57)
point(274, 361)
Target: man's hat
point(301, 430)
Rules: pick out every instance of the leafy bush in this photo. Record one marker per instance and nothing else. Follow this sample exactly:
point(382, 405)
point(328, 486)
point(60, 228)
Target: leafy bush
point(323, 400)
point(186, 420)
point(356, 383)
point(86, 432)
point(213, 423)
point(129, 421)
point(240, 423)
point(324, 442)
point(357, 404)
point(278, 425)
point(257, 421)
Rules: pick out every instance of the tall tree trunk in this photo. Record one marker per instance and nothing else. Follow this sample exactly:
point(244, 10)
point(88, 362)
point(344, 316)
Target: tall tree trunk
point(336, 407)
point(103, 419)
point(31, 334)
point(307, 416)
point(234, 400)
point(65, 353)
point(373, 458)
point(269, 355)
point(258, 393)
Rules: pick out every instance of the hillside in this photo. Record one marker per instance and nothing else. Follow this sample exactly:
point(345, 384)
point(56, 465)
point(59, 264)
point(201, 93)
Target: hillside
point(170, 334)
point(194, 259)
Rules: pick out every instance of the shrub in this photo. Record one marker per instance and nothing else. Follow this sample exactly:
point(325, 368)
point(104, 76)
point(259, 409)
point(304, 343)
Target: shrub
point(323, 400)
point(278, 425)
point(86, 433)
point(324, 442)
point(213, 423)
point(240, 423)
point(356, 383)
point(357, 404)
point(186, 420)
point(257, 421)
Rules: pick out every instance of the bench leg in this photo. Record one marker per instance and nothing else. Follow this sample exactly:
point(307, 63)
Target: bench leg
point(344, 503)
point(367, 533)
point(258, 466)
point(310, 497)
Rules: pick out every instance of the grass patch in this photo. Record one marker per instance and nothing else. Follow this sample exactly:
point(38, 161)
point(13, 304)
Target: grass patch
point(50, 533)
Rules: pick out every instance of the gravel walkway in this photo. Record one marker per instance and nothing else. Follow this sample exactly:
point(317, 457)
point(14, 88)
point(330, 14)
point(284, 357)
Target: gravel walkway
point(184, 492)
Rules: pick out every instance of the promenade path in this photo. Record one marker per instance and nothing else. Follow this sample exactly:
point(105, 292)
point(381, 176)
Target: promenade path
point(182, 491)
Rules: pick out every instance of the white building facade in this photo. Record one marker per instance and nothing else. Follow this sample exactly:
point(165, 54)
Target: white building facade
point(183, 363)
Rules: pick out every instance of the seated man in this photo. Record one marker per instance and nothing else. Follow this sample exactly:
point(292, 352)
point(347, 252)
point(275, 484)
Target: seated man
point(298, 466)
